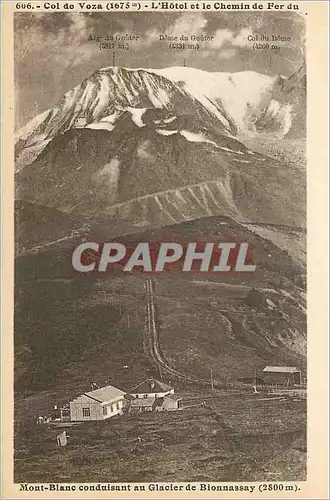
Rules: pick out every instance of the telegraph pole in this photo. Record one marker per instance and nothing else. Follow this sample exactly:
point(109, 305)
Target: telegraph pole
point(255, 382)
point(212, 384)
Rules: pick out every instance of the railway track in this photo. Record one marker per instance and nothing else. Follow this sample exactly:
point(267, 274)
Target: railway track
point(152, 344)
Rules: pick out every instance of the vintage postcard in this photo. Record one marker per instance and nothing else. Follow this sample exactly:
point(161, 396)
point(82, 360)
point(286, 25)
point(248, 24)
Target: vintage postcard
point(164, 230)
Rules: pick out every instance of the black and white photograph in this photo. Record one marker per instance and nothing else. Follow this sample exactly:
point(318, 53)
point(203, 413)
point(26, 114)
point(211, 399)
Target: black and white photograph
point(160, 314)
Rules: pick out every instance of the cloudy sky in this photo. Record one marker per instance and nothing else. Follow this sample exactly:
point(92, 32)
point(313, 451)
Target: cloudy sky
point(53, 52)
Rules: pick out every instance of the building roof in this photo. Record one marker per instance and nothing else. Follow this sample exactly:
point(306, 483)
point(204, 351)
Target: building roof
point(281, 369)
point(105, 394)
point(151, 385)
point(129, 397)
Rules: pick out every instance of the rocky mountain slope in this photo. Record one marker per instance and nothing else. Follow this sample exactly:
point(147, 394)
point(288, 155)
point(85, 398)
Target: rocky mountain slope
point(153, 147)
point(158, 176)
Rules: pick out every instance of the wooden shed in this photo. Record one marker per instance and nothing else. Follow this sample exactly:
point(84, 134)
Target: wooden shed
point(171, 402)
point(282, 375)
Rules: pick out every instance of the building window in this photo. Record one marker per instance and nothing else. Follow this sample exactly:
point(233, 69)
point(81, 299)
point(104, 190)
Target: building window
point(86, 412)
point(111, 408)
point(118, 407)
point(105, 410)
point(145, 395)
point(137, 396)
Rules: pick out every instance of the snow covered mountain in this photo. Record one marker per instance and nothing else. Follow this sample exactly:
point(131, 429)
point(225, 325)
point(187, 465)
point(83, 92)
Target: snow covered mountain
point(157, 147)
point(102, 98)
point(232, 102)
point(244, 96)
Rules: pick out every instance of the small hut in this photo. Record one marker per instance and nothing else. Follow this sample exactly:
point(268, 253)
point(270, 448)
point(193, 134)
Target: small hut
point(282, 375)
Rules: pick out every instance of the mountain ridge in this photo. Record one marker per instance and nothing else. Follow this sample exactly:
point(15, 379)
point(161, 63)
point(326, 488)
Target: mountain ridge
point(228, 98)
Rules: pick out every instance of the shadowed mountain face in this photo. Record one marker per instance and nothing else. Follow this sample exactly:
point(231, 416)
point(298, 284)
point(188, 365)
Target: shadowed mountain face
point(37, 225)
point(286, 109)
point(295, 91)
point(162, 173)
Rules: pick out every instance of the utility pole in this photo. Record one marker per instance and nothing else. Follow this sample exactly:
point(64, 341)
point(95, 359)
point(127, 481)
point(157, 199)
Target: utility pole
point(128, 322)
point(212, 384)
point(255, 382)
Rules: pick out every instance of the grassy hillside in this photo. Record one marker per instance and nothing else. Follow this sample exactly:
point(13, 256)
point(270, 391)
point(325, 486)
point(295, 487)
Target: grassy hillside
point(65, 320)
point(236, 437)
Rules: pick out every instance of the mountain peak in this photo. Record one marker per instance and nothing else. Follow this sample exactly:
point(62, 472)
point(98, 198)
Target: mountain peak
point(229, 102)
